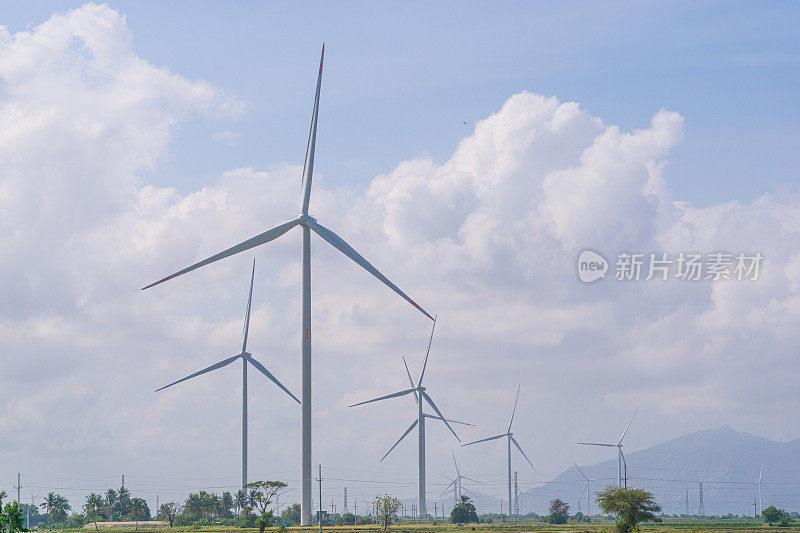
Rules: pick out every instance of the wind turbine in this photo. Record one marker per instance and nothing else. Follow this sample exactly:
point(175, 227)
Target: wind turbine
point(419, 395)
point(308, 225)
point(760, 499)
point(585, 487)
point(511, 440)
point(456, 483)
point(246, 357)
point(620, 455)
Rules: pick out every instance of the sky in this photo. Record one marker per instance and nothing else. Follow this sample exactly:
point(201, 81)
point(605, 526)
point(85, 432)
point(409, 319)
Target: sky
point(470, 151)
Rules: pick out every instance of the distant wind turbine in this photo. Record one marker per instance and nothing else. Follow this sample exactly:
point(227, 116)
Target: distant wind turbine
point(456, 482)
point(585, 487)
point(620, 456)
point(308, 225)
point(760, 496)
point(419, 395)
point(246, 357)
point(511, 440)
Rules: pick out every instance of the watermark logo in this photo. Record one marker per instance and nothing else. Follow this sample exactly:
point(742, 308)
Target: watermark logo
point(591, 266)
point(684, 266)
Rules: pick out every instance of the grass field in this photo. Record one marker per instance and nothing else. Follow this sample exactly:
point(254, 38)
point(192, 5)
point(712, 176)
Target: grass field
point(669, 525)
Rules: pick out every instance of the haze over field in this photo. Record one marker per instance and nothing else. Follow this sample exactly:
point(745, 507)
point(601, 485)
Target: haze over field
point(486, 236)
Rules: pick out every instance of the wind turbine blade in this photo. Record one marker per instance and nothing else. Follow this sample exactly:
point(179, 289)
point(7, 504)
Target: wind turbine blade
point(308, 167)
point(448, 487)
point(458, 472)
point(426, 415)
point(626, 427)
point(581, 471)
point(416, 397)
point(513, 411)
point(339, 243)
point(224, 362)
point(438, 412)
point(514, 441)
point(473, 480)
point(247, 313)
point(582, 491)
point(425, 364)
point(261, 238)
point(412, 426)
point(598, 444)
point(267, 373)
point(393, 395)
point(486, 439)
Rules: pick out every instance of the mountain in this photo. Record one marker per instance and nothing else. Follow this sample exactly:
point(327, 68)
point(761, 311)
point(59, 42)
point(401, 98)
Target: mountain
point(727, 462)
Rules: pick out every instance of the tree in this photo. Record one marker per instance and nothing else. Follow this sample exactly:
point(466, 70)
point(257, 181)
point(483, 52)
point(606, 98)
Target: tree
point(386, 507)
point(57, 507)
point(168, 512)
point(631, 506)
point(140, 510)
point(226, 504)
point(773, 515)
point(12, 521)
point(559, 512)
point(124, 502)
point(111, 502)
point(291, 514)
point(348, 519)
point(94, 503)
point(261, 493)
point(240, 501)
point(464, 512)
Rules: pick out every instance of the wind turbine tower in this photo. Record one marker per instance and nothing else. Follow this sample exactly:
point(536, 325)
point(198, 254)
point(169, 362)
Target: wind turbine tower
point(421, 398)
point(509, 441)
point(246, 358)
point(307, 224)
point(622, 466)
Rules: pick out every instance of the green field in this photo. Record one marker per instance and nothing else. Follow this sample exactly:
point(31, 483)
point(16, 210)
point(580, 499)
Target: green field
point(674, 524)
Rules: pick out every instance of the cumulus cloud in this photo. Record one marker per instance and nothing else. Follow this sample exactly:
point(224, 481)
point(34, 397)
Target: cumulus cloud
point(488, 239)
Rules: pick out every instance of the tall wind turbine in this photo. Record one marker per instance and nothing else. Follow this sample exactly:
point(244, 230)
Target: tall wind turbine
point(246, 357)
point(419, 396)
point(585, 487)
point(622, 477)
point(511, 440)
point(308, 224)
point(456, 483)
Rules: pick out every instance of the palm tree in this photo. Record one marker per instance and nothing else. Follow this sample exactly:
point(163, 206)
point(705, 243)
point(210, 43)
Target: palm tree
point(94, 502)
point(57, 506)
point(124, 501)
point(138, 506)
point(111, 501)
point(240, 500)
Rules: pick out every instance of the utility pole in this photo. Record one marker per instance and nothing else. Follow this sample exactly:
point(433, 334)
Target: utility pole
point(123, 481)
point(687, 502)
point(19, 486)
point(319, 479)
point(345, 499)
point(501, 510)
point(701, 509)
point(755, 508)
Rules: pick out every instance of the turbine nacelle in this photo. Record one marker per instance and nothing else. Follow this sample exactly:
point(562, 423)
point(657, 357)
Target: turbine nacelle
point(305, 219)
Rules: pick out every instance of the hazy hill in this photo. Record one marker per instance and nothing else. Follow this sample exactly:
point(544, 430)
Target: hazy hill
point(725, 460)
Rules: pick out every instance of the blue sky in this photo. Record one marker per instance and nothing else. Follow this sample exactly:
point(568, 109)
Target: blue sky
point(402, 77)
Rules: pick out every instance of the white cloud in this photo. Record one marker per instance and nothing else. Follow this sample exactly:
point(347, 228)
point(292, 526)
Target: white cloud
point(488, 239)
